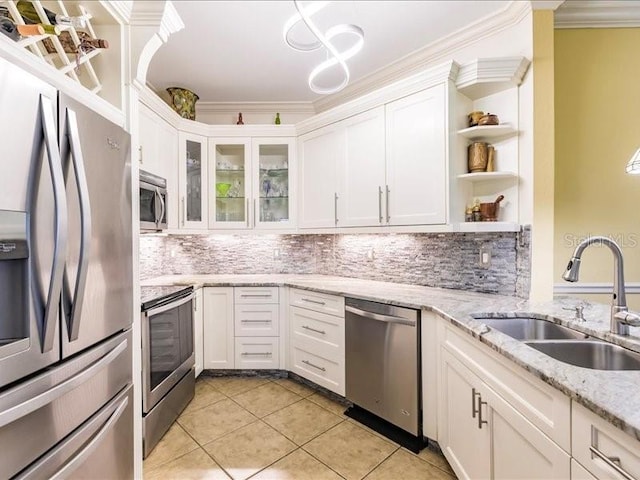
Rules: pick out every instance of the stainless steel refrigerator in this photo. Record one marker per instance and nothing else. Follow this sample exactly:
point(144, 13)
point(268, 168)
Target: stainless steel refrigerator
point(66, 302)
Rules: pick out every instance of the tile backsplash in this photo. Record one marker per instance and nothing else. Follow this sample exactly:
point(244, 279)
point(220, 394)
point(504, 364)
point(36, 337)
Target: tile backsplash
point(448, 260)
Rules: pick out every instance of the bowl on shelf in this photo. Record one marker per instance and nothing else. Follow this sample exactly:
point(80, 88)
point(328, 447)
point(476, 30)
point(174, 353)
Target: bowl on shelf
point(222, 189)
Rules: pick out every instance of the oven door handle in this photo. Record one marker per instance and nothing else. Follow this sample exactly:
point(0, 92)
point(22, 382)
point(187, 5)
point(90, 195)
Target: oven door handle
point(170, 306)
point(379, 317)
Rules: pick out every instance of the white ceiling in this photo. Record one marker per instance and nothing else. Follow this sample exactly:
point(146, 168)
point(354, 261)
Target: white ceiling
point(233, 51)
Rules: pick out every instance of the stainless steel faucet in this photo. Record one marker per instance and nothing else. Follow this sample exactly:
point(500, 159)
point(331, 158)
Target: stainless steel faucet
point(621, 317)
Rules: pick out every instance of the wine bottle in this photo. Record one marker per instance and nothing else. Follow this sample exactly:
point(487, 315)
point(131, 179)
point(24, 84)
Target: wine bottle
point(277, 122)
point(29, 13)
point(87, 43)
point(14, 32)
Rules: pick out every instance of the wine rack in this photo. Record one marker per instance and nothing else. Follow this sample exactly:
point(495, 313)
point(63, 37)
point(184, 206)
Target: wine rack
point(76, 66)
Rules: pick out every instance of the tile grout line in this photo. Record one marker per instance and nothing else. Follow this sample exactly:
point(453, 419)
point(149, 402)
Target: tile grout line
point(384, 460)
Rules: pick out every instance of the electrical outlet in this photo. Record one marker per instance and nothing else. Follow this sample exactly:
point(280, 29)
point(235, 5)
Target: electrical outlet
point(276, 253)
point(370, 254)
point(173, 253)
point(485, 256)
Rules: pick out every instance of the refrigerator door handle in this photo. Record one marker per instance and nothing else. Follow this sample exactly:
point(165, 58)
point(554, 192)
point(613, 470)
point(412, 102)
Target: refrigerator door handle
point(21, 410)
point(97, 430)
point(50, 319)
point(77, 301)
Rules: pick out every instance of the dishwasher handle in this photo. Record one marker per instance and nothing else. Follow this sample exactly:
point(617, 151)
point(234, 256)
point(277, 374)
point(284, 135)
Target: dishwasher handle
point(379, 317)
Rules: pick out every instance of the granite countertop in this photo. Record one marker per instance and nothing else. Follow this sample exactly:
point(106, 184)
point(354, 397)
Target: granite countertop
point(614, 395)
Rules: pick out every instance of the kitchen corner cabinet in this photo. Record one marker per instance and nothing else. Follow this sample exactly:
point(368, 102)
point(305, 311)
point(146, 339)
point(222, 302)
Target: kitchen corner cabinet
point(198, 325)
point(192, 178)
point(250, 183)
point(218, 336)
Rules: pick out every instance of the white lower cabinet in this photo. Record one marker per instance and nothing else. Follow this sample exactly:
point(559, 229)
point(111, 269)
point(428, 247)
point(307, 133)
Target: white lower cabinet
point(316, 338)
point(198, 325)
point(255, 353)
point(218, 328)
point(601, 448)
point(257, 328)
point(578, 472)
point(483, 436)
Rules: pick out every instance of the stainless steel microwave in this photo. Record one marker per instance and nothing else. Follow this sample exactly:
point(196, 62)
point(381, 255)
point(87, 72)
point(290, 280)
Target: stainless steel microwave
point(153, 202)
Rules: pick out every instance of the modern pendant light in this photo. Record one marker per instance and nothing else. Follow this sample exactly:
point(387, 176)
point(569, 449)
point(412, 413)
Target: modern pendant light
point(336, 57)
point(633, 167)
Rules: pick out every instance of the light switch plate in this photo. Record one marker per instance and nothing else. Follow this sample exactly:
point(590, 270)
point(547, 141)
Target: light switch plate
point(485, 256)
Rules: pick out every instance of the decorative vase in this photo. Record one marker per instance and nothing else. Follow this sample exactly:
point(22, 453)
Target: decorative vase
point(477, 157)
point(183, 101)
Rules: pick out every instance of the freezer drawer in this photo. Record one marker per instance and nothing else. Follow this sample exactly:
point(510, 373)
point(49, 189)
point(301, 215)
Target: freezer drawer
point(45, 409)
point(102, 447)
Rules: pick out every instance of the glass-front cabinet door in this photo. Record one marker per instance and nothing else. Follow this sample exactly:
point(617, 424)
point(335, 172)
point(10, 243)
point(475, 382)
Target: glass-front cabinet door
point(273, 159)
point(193, 177)
point(229, 185)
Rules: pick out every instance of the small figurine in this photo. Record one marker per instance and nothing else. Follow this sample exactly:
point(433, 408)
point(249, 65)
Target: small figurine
point(240, 122)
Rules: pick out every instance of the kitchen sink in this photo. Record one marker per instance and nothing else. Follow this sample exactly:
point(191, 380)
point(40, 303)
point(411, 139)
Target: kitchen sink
point(589, 354)
point(527, 328)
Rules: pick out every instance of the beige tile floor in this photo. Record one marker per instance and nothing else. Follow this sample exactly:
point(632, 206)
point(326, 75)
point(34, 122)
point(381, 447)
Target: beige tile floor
point(242, 427)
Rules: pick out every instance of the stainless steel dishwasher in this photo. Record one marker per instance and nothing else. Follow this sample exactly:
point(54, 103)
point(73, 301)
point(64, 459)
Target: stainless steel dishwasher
point(383, 369)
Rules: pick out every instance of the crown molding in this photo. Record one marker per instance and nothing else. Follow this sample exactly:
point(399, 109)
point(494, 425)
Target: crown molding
point(445, 72)
point(120, 10)
point(512, 14)
point(546, 4)
point(255, 107)
point(157, 14)
point(598, 14)
point(485, 76)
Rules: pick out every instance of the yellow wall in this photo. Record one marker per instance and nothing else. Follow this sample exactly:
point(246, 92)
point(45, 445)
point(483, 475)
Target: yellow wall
point(543, 156)
point(597, 129)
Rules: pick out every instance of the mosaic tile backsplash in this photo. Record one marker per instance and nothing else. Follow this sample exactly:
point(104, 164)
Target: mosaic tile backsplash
point(447, 260)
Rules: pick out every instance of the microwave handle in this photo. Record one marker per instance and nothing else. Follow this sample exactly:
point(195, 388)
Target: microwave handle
point(162, 208)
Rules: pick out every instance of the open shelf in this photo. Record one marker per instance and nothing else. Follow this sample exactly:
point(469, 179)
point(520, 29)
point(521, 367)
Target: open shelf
point(486, 176)
point(487, 131)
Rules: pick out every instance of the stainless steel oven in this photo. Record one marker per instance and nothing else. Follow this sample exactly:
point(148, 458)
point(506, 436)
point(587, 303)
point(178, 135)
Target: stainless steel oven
point(168, 378)
point(153, 202)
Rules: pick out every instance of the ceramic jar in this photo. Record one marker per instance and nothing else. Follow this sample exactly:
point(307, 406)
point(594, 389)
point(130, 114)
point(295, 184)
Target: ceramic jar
point(183, 101)
point(478, 157)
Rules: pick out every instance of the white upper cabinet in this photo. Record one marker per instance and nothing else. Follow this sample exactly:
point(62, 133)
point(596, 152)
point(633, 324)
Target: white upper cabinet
point(320, 153)
point(416, 158)
point(362, 170)
point(229, 186)
point(192, 177)
point(273, 169)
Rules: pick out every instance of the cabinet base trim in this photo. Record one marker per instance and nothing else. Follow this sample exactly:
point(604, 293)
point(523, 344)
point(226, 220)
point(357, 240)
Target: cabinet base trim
point(396, 434)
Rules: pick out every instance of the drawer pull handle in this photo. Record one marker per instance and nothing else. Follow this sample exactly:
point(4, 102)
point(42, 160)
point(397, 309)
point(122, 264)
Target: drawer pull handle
point(480, 420)
point(252, 354)
point(314, 366)
point(613, 462)
point(321, 332)
point(255, 295)
point(317, 302)
point(474, 394)
point(255, 321)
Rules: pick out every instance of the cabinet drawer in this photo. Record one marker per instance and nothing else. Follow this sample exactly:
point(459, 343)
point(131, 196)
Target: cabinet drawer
point(257, 352)
point(256, 320)
point(324, 372)
point(318, 333)
point(578, 472)
point(595, 442)
point(544, 406)
point(319, 302)
point(247, 295)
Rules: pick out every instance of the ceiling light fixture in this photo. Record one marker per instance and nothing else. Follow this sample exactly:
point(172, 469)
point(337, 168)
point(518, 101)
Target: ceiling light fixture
point(323, 40)
point(633, 167)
